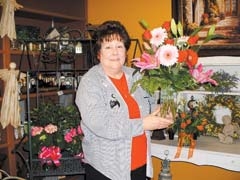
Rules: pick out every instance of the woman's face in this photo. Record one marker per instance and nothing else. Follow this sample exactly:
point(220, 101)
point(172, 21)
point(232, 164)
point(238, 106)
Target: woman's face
point(112, 55)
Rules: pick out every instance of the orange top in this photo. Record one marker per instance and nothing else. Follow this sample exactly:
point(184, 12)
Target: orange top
point(139, 143)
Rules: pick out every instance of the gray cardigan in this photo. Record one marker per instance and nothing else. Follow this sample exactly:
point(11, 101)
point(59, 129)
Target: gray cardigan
point(108, 131)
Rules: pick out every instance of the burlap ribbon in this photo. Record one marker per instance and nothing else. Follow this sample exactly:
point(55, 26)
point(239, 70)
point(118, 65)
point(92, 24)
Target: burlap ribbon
point(181, 140)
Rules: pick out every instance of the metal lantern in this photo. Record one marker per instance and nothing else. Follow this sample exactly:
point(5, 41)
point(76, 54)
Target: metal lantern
point(165, 172)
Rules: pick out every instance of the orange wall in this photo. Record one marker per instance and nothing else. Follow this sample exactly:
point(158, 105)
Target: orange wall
point(129, 12)
point(155, 12)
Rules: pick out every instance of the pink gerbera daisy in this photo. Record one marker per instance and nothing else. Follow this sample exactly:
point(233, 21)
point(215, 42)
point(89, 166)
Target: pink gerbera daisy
point(167, 55)
point(158, 36)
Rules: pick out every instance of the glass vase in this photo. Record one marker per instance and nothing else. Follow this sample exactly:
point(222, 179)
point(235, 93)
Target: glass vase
point(168, 101)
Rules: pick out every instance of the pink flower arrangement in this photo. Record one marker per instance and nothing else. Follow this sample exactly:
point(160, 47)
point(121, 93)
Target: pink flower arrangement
point(56, 133)
point(50, 142)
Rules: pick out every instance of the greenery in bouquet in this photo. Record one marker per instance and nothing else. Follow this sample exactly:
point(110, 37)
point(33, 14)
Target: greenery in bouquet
point(170, 61)
point(226, 82)
point(55, 132)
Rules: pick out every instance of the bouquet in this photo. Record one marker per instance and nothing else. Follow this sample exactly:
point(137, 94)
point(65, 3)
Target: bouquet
point(170, 62)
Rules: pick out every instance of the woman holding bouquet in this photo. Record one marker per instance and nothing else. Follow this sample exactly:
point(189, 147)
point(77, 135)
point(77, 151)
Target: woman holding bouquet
point(116, 123)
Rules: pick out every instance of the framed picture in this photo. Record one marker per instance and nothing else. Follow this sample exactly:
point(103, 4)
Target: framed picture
point(225, 14)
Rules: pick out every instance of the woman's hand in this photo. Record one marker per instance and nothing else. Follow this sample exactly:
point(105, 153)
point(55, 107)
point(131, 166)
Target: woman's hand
point(154, 121)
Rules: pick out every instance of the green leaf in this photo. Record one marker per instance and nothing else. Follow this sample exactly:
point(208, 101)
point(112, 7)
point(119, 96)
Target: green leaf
point(180, 28)
point(214, 36)
point(174, 27)
point(144, 24)
point(196, 31)
point(211, 30)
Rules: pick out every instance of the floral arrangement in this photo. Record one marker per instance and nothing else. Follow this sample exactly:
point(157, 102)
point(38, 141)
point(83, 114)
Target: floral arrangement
point(190, 123)
point(170, 61)
point(55, 133)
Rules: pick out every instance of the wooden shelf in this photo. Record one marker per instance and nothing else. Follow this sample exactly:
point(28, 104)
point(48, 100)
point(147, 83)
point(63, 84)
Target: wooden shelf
point(16, 52)
point(47, 16)
point(47, 93)
point(4, 145)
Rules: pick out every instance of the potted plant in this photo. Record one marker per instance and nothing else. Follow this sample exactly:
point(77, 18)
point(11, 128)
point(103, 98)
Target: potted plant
point(55, 133)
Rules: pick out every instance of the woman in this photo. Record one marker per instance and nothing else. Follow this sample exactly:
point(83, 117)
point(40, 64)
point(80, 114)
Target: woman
point(115, 123)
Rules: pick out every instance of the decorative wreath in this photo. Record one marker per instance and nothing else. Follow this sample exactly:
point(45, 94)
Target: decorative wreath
point(211, 101)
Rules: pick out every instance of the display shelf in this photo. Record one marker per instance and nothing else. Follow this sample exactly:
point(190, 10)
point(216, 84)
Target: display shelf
point(16, 52)
point(3, 145)
point(69, 13)
point(69, 165)
point(46, 15)
point(208, 151)
point(236, 93)
point(48, 93)
point(66, 11)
